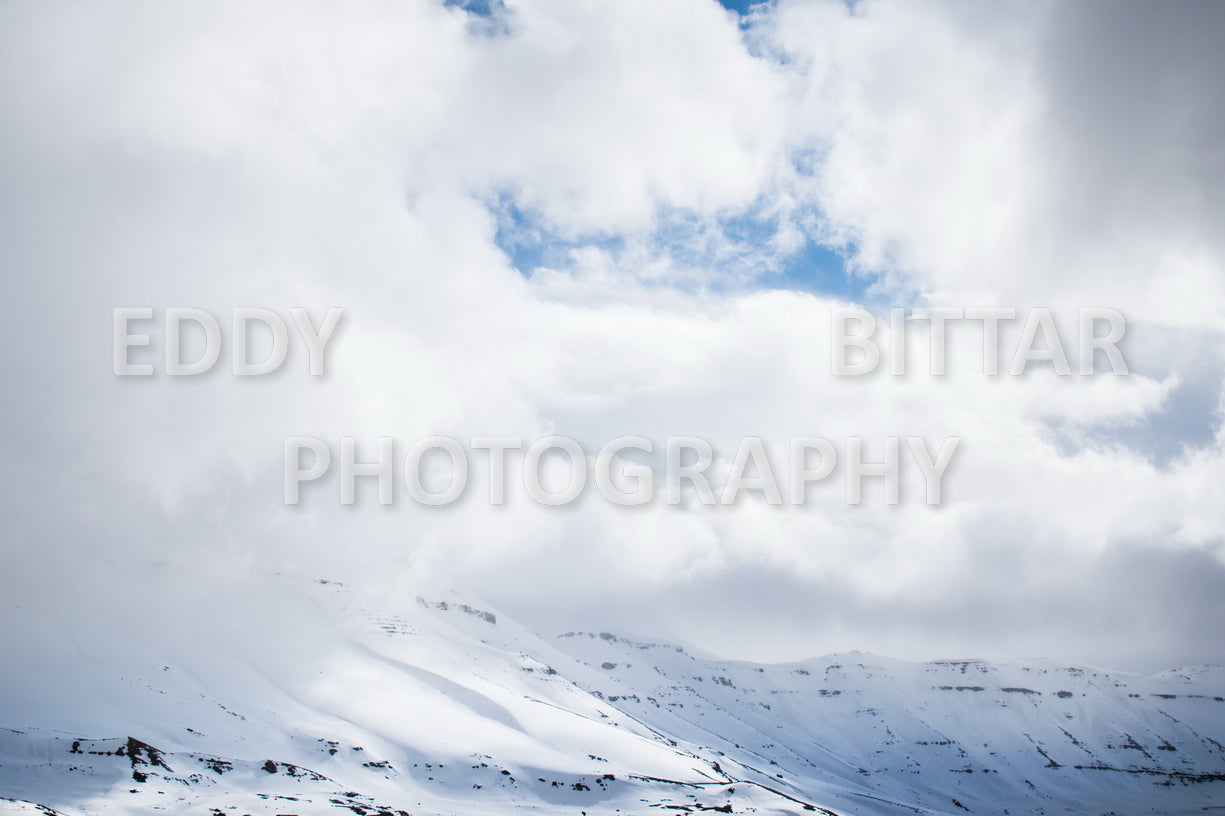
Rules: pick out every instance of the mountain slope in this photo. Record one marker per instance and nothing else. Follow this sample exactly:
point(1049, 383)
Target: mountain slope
point(435, 706)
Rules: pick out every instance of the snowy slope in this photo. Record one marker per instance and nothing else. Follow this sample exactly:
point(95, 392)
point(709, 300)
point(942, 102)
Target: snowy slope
point(432, 705)
point(946, 736)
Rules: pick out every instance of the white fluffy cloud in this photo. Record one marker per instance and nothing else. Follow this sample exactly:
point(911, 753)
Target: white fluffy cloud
point(1030, 155)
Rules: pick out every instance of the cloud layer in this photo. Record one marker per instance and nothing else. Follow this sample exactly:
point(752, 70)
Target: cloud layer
point(670, 166)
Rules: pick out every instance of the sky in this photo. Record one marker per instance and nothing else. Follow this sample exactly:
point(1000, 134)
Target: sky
point(599, 219)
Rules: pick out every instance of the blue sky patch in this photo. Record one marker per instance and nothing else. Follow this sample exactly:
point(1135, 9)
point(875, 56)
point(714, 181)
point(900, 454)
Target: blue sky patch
point(1189, 419)
point(721, 254)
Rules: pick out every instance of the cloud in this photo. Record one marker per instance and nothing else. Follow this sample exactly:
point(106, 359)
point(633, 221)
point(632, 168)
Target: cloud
point(668, 160)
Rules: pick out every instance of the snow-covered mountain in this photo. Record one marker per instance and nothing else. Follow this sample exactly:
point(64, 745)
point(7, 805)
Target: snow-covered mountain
point(436, 706)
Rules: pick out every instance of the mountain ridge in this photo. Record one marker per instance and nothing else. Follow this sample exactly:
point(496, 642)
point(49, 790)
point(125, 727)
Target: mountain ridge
point(433, 706)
